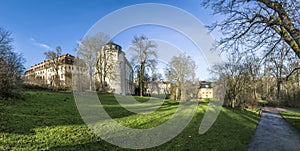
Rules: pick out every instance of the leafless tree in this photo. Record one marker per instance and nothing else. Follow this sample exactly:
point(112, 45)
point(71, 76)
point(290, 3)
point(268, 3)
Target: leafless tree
point(257, 24)
point(144, 58)
point(87, 50)
point(180, 70)
point(11, 68)
point(104, 66)
point(68, 79)
point(54, 63)
point(241, 75)
point(279, 66)
point(260, 25)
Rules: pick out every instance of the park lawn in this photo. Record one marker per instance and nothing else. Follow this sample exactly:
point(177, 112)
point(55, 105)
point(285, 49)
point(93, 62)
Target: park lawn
point(51, 121)
point(292, 117)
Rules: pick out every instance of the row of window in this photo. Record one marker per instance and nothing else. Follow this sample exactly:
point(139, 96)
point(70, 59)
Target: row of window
point(61, 68)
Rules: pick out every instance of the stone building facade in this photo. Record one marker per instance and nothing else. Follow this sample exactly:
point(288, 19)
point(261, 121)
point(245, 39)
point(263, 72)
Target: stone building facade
point(205, 90)
point(119, 73)
point(159, 87)
point(42, 74)
point(111, 61)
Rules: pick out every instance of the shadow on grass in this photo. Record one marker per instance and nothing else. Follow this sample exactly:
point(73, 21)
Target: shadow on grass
point(292, 117)
point(115, 110)
point(37, 110)
point(45, 108)
point(232, 130)
point(90, 146)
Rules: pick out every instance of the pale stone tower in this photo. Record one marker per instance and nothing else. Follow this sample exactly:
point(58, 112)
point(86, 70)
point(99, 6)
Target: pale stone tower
point(120, 77)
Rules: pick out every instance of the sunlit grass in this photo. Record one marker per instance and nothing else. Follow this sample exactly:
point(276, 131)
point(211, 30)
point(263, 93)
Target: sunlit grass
point(51, 121)
point(293, 117)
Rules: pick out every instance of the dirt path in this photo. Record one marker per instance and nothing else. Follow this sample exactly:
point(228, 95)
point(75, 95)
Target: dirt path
point(274, 133)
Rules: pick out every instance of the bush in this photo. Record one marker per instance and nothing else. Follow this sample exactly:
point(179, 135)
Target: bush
point(11, 68)
point(205, 100)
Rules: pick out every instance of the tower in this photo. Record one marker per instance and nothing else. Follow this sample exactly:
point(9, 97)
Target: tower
point(114, 69)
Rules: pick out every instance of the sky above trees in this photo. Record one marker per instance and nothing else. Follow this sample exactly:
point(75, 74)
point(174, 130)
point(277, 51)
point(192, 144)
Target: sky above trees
point(39, 26)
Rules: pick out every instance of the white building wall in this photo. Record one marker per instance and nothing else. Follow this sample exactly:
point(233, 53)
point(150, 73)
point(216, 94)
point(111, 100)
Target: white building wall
point(121, 77)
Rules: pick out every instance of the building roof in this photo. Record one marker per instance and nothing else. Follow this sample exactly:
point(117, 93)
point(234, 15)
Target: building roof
point(46, 61)
point(111, 43)
point(205, 84)
point(112, 46)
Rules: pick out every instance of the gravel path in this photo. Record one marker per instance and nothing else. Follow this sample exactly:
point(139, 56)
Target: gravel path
point(274, 133)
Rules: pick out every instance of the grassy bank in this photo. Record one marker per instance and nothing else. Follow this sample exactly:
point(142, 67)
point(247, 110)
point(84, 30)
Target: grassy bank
point(50, 121)
point(293, 117)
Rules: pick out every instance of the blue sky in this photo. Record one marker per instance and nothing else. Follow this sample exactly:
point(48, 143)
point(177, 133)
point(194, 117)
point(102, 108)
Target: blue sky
point(39, 25)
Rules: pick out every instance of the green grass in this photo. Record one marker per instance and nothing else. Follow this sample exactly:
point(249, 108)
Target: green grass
point(205, 100)
point(51, 121)
point(292, 117)
point(262, 101)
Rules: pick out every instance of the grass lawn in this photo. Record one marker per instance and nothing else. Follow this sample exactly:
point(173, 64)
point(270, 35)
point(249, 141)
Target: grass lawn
point(51, 121)
point(293, 117)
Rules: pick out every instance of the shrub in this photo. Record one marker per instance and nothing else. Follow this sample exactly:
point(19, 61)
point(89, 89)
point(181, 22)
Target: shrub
point(11, 68)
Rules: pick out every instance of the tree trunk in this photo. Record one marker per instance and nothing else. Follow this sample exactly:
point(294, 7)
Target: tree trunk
point(90, 84)
point(176, 93)
point(233, 103)
point(278, 89)
point(183, 94)
point(141, 79)
point(289, 33)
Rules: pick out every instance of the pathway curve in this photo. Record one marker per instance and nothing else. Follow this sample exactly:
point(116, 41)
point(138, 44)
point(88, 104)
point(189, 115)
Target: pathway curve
point(274, 133)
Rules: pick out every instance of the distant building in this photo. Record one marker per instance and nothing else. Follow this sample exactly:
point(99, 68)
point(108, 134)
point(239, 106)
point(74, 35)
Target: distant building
point(43, 73)
point(158, 87)
point(205, 90)
point(119, 78)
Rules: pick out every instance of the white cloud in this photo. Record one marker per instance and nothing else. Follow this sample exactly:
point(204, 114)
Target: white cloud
point(45, 46)
point(32, 39)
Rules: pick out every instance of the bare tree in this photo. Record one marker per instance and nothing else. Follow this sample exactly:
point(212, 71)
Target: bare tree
point(258, 23)
point(252, 69)
point(241, 74)
point(279, 65)
point(180, 70)
point(87, 51)
point(104, 66)
point(54, 63)
point(11, 68)
point(144, 58)
point(292, 82)
point(68, 79)
point(232, 70)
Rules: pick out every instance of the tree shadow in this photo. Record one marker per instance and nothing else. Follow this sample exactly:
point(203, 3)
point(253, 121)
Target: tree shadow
point(39, 109)
point(89, 146)
point(231, 131)
point(115, 110)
